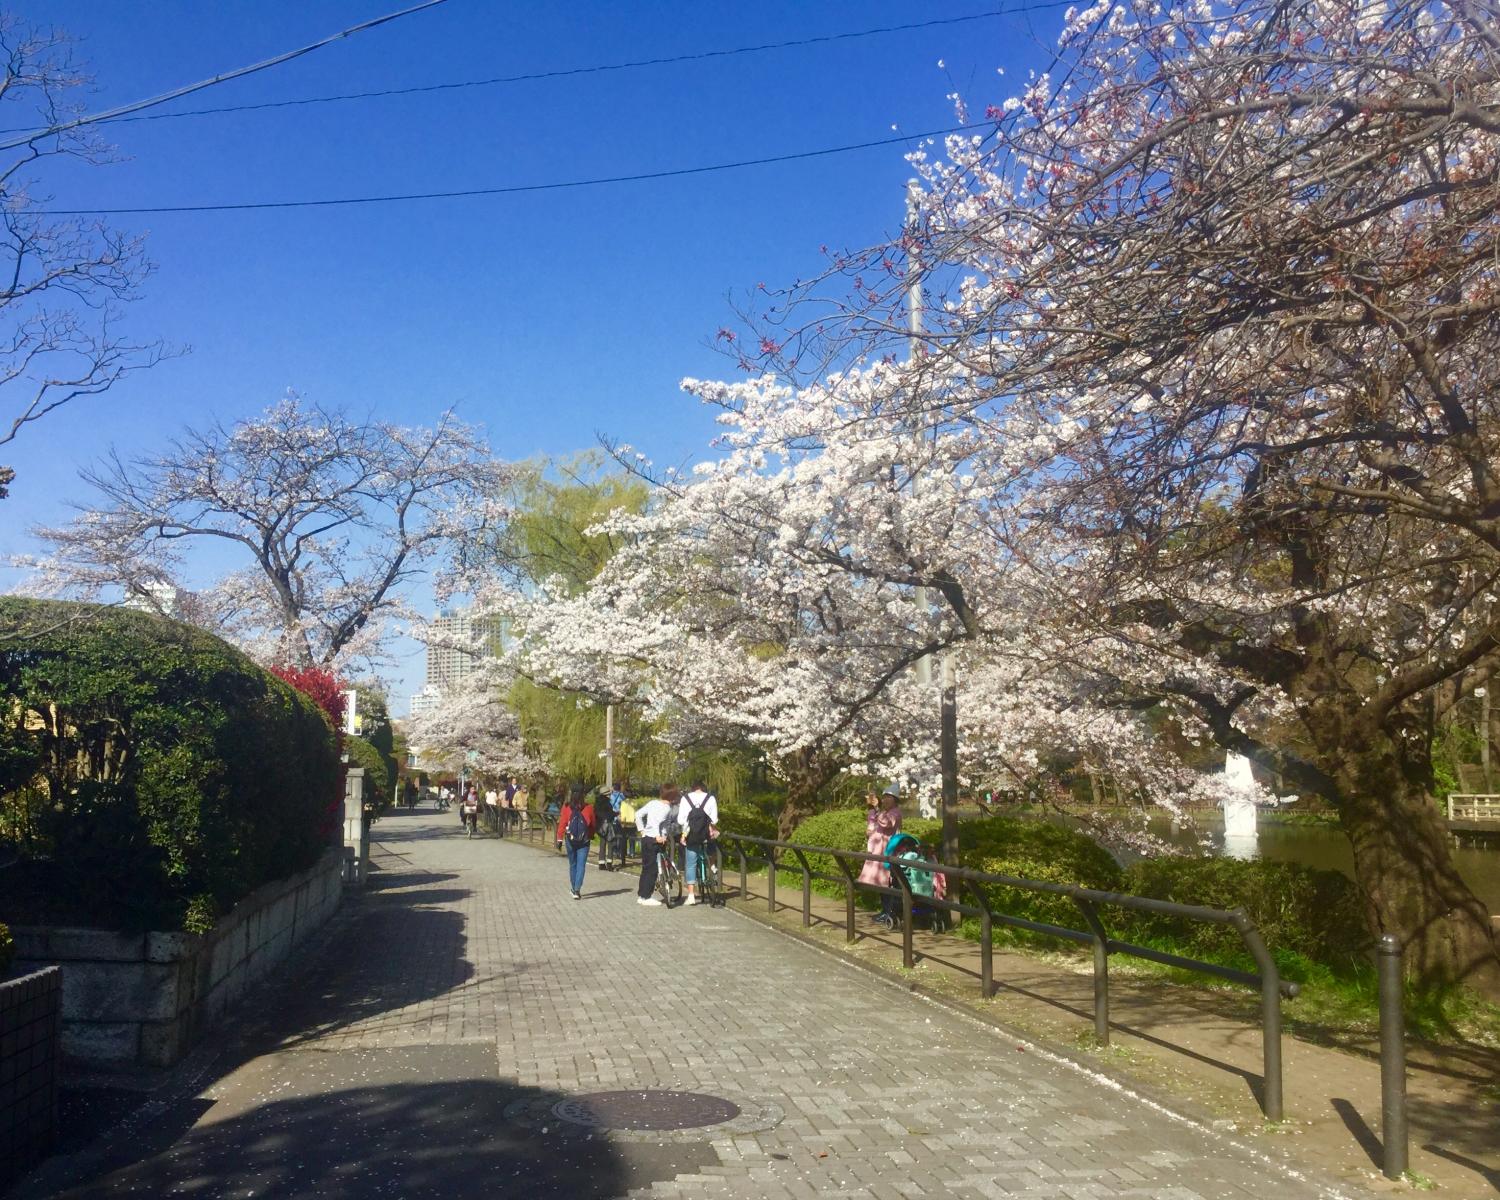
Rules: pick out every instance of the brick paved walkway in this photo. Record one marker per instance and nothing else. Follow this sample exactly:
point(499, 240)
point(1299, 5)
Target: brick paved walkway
point(433, 1049)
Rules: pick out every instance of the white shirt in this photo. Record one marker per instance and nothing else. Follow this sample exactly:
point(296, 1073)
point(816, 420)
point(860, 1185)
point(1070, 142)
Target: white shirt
point(704, 800)
point(650, 817)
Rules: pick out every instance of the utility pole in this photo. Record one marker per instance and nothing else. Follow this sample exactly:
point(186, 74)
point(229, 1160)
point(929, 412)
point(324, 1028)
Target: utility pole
point(913, 352)
point(948, 708)
point(609, 747)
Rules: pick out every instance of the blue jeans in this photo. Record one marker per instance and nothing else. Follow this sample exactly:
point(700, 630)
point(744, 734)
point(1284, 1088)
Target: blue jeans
point(578, 858)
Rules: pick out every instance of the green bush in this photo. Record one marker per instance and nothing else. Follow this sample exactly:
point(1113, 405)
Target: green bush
point(7, 950)
point(999, 845)
point(748, 815)
point(363, 754)
point(844, 829)
point(1039, 850)
point(1299, 910)
point(146, 766)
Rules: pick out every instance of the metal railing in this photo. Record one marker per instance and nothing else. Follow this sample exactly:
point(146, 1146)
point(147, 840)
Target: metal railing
point(1088, 902)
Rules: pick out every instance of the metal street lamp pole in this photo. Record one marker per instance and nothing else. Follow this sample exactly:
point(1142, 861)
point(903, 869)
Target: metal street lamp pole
point(948, 711)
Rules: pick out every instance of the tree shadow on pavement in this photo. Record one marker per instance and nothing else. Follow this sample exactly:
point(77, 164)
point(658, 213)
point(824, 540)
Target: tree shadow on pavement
point(449, 1139)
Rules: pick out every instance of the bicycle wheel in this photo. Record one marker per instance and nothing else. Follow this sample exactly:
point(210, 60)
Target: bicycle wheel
point(711, 883)
point(668, 880)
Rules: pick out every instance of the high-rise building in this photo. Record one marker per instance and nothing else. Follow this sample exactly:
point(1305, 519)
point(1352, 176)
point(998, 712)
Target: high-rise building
point(457, 645)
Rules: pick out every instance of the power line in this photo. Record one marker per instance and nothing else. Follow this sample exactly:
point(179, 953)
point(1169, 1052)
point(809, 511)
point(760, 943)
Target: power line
point(566, 72)
point(115, 114)
point(515, 189)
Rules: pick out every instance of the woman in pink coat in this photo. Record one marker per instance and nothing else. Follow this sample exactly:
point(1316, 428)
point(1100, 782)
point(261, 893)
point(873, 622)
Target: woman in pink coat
point(882, 819)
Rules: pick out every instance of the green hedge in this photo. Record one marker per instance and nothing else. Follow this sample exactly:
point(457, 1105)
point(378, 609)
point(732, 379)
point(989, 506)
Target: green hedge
point(363, 754)
point(150, 773)
point(1302, 912)
point(7, 951)
point(1000, 845)
point(1299, 910)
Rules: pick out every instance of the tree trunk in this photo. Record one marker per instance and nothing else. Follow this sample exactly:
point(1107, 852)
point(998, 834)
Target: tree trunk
point(808, 775)
point(1405, 870)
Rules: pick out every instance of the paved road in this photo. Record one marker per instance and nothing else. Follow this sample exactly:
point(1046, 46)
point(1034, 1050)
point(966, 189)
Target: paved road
point(444, 1042)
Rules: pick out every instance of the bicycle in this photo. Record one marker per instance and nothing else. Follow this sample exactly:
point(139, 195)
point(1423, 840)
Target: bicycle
point(471, 821)
point(710, 875)
point(668, 876)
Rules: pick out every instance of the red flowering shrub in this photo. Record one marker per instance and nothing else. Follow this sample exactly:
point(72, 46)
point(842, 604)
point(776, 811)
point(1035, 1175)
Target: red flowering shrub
point(326, 690)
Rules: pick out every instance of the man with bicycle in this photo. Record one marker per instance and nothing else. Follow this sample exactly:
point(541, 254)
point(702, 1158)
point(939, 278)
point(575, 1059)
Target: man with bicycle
point(698, 817)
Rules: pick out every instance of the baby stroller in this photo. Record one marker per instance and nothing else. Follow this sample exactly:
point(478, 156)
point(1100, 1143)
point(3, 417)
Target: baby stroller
point(925, 886)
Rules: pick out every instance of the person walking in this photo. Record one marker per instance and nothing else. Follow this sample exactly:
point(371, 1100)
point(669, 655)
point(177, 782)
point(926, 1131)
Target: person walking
point(604, 824)
point(882, 819)
point(575, 831)
point(651, 821)
point(698, 817)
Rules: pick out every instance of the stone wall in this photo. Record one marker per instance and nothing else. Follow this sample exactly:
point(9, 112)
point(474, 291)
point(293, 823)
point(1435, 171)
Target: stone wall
point(30, 1026)
point(143, 999)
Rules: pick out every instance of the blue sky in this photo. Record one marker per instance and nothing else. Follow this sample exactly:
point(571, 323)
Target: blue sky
point(547, 318)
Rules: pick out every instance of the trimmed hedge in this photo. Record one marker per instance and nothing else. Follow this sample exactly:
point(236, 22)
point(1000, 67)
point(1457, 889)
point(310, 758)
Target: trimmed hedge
point(7, 950)
point(149, 772)
point(1299, 910)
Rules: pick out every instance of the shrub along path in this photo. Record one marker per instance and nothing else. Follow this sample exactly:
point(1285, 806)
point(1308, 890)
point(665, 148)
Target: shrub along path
point(446, 1040)
point(1198, 1045)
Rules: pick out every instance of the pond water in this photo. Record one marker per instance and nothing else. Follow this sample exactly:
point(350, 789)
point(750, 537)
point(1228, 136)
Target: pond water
point(1314, 846)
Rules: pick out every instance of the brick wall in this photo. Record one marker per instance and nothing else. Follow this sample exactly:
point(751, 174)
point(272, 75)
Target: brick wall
point(30, 1035)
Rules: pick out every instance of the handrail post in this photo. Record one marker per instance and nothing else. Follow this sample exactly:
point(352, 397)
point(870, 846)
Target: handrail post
point(849, 934)
point(744, 871)
point(806, 889)
point(1101, 969)
point(1270, 1014)
point(770, 878)
point(986, 940)
point(1392, 1057)
point(908, 955)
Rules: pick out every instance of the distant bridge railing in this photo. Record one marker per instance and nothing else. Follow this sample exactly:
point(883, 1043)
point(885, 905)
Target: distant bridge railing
point(1473, 806)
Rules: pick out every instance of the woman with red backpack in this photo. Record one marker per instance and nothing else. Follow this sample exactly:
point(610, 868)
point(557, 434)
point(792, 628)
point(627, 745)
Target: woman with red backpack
point(575, 830)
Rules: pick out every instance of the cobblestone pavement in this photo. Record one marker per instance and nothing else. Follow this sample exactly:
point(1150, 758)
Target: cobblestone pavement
point(441, 1045)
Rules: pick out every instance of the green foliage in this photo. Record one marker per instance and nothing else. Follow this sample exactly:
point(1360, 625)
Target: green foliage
point(145, 764)
point(7, 950)
point(377, 790)
point(1299, 910)
point(1025, 843)
point(1041, 851)
point(554, 506)
point(999, 845)
point(201, 915)
point(377, 729)
point(752, 814)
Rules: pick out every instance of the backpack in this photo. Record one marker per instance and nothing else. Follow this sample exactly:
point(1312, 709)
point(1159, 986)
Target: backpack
point(627, 813)
point(697, 823)
point(578, 829)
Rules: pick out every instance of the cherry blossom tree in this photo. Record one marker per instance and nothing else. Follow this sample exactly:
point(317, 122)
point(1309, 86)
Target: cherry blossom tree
point(1214, 335)
point(63, 280)
point(333, 517)
point(474, 727)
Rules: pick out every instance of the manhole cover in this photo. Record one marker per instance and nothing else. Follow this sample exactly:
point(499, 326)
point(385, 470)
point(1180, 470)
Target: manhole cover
point(660, 1115)
point(646, 1110)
